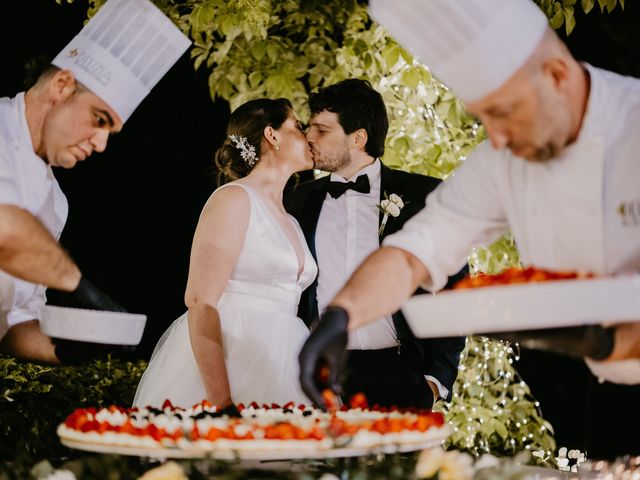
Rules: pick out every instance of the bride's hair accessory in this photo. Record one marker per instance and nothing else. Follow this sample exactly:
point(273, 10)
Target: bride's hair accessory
point(247, 151)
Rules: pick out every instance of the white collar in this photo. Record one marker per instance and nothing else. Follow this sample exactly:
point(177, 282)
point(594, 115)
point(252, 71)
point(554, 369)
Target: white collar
point(22, 134)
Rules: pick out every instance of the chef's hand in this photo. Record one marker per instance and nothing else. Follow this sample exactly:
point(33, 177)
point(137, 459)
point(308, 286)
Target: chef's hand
point(593, 341)
point(626, 342)
point(86, 295)
point(325, 348)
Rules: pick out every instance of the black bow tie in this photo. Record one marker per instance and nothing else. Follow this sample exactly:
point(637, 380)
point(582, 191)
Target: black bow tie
point(361, 185)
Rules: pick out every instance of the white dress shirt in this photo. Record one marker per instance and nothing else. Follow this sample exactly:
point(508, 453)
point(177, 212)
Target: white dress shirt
point(347, 232)
point(579, 211)
point(26, 181)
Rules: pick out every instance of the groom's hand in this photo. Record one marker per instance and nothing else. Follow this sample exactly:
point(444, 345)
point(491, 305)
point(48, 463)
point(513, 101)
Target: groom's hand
point(325, 348)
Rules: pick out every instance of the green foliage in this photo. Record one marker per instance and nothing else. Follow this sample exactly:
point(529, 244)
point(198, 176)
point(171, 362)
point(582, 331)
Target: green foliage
point(494, 258)
point(291, 48)
point(35, 398)
point(562, 12)
point(492, 410)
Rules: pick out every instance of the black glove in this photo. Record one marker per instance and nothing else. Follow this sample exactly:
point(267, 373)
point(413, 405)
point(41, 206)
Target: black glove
point(591, 341)
point(86, 295)
point(325, 347)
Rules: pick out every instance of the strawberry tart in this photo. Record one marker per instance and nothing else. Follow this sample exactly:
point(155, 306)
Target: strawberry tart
point(251, 431)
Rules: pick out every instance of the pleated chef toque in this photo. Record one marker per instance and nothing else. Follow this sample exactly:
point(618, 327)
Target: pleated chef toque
point(472, 46)
point(123, 51)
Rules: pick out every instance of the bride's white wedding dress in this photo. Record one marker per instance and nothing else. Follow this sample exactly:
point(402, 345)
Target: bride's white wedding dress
point(262, 335)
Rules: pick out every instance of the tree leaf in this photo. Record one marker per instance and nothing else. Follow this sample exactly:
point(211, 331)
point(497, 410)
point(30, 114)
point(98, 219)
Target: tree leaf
point(558, 19)
point(202, 16)
point(411, 77)
point(259, 49)
point(390, 54)
point(587, 5)
point(254, 79)
point(406, 56)
point(569, 20)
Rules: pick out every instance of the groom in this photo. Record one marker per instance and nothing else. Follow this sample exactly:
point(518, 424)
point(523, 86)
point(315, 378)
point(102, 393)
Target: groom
point(343, 223)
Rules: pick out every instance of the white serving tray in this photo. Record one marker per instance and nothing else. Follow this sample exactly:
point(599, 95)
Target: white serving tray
point(111, 328)
point(438, 437)
point(551, 304)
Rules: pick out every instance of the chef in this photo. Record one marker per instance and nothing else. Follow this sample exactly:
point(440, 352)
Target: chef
point(91, 88)
point(560, 169)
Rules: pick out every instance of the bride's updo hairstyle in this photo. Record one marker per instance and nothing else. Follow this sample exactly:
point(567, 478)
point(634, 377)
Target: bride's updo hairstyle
point(242, 147)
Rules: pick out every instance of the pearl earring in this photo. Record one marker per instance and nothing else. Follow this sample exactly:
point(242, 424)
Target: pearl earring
point(276, 147)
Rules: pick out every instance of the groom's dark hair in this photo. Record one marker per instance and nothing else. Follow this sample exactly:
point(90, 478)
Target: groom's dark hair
point(358, 105)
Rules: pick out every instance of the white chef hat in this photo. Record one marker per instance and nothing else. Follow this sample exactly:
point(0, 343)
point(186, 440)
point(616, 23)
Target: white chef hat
point(123, 51)
point(472, 46)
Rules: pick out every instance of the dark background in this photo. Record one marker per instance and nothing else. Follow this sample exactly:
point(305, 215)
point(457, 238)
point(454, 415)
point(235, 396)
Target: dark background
point(133, 209)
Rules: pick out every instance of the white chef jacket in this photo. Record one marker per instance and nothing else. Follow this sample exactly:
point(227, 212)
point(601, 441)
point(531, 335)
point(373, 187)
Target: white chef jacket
point(347, 232)
point(26, 181)
point(579, 211)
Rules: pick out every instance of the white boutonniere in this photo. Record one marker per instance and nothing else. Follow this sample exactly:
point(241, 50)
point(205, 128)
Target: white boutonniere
point(391, 205)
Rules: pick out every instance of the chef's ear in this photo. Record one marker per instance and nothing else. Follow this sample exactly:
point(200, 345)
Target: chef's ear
point(557, 70)
point(62, 84)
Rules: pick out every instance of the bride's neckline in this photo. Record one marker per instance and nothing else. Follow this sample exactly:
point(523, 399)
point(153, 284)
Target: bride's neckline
point(301, 265)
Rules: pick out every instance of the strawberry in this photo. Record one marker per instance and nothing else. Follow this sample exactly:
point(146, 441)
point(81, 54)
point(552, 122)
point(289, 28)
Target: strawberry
point(330, 399)
point(359, 400)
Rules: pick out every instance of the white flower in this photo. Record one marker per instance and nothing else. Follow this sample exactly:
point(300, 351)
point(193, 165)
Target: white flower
point(451, 465)
point(393, 198)
point(391, 205)
point(458, 466)
point(167, 471)
point(390, 208)
point(487, 461)
point(429, 462)
point(573, 453)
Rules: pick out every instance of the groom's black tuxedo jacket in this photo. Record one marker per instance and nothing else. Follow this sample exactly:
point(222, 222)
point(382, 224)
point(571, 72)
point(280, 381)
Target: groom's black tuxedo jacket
point(438, 357)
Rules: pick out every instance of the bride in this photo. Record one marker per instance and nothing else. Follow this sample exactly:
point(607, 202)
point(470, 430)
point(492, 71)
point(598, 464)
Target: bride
point(240, 337)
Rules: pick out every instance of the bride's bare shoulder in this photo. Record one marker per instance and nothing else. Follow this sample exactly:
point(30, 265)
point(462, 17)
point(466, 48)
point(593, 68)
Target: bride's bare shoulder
point(230, 201)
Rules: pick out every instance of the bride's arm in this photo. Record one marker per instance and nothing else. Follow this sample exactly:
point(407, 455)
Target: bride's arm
point(216, 245)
